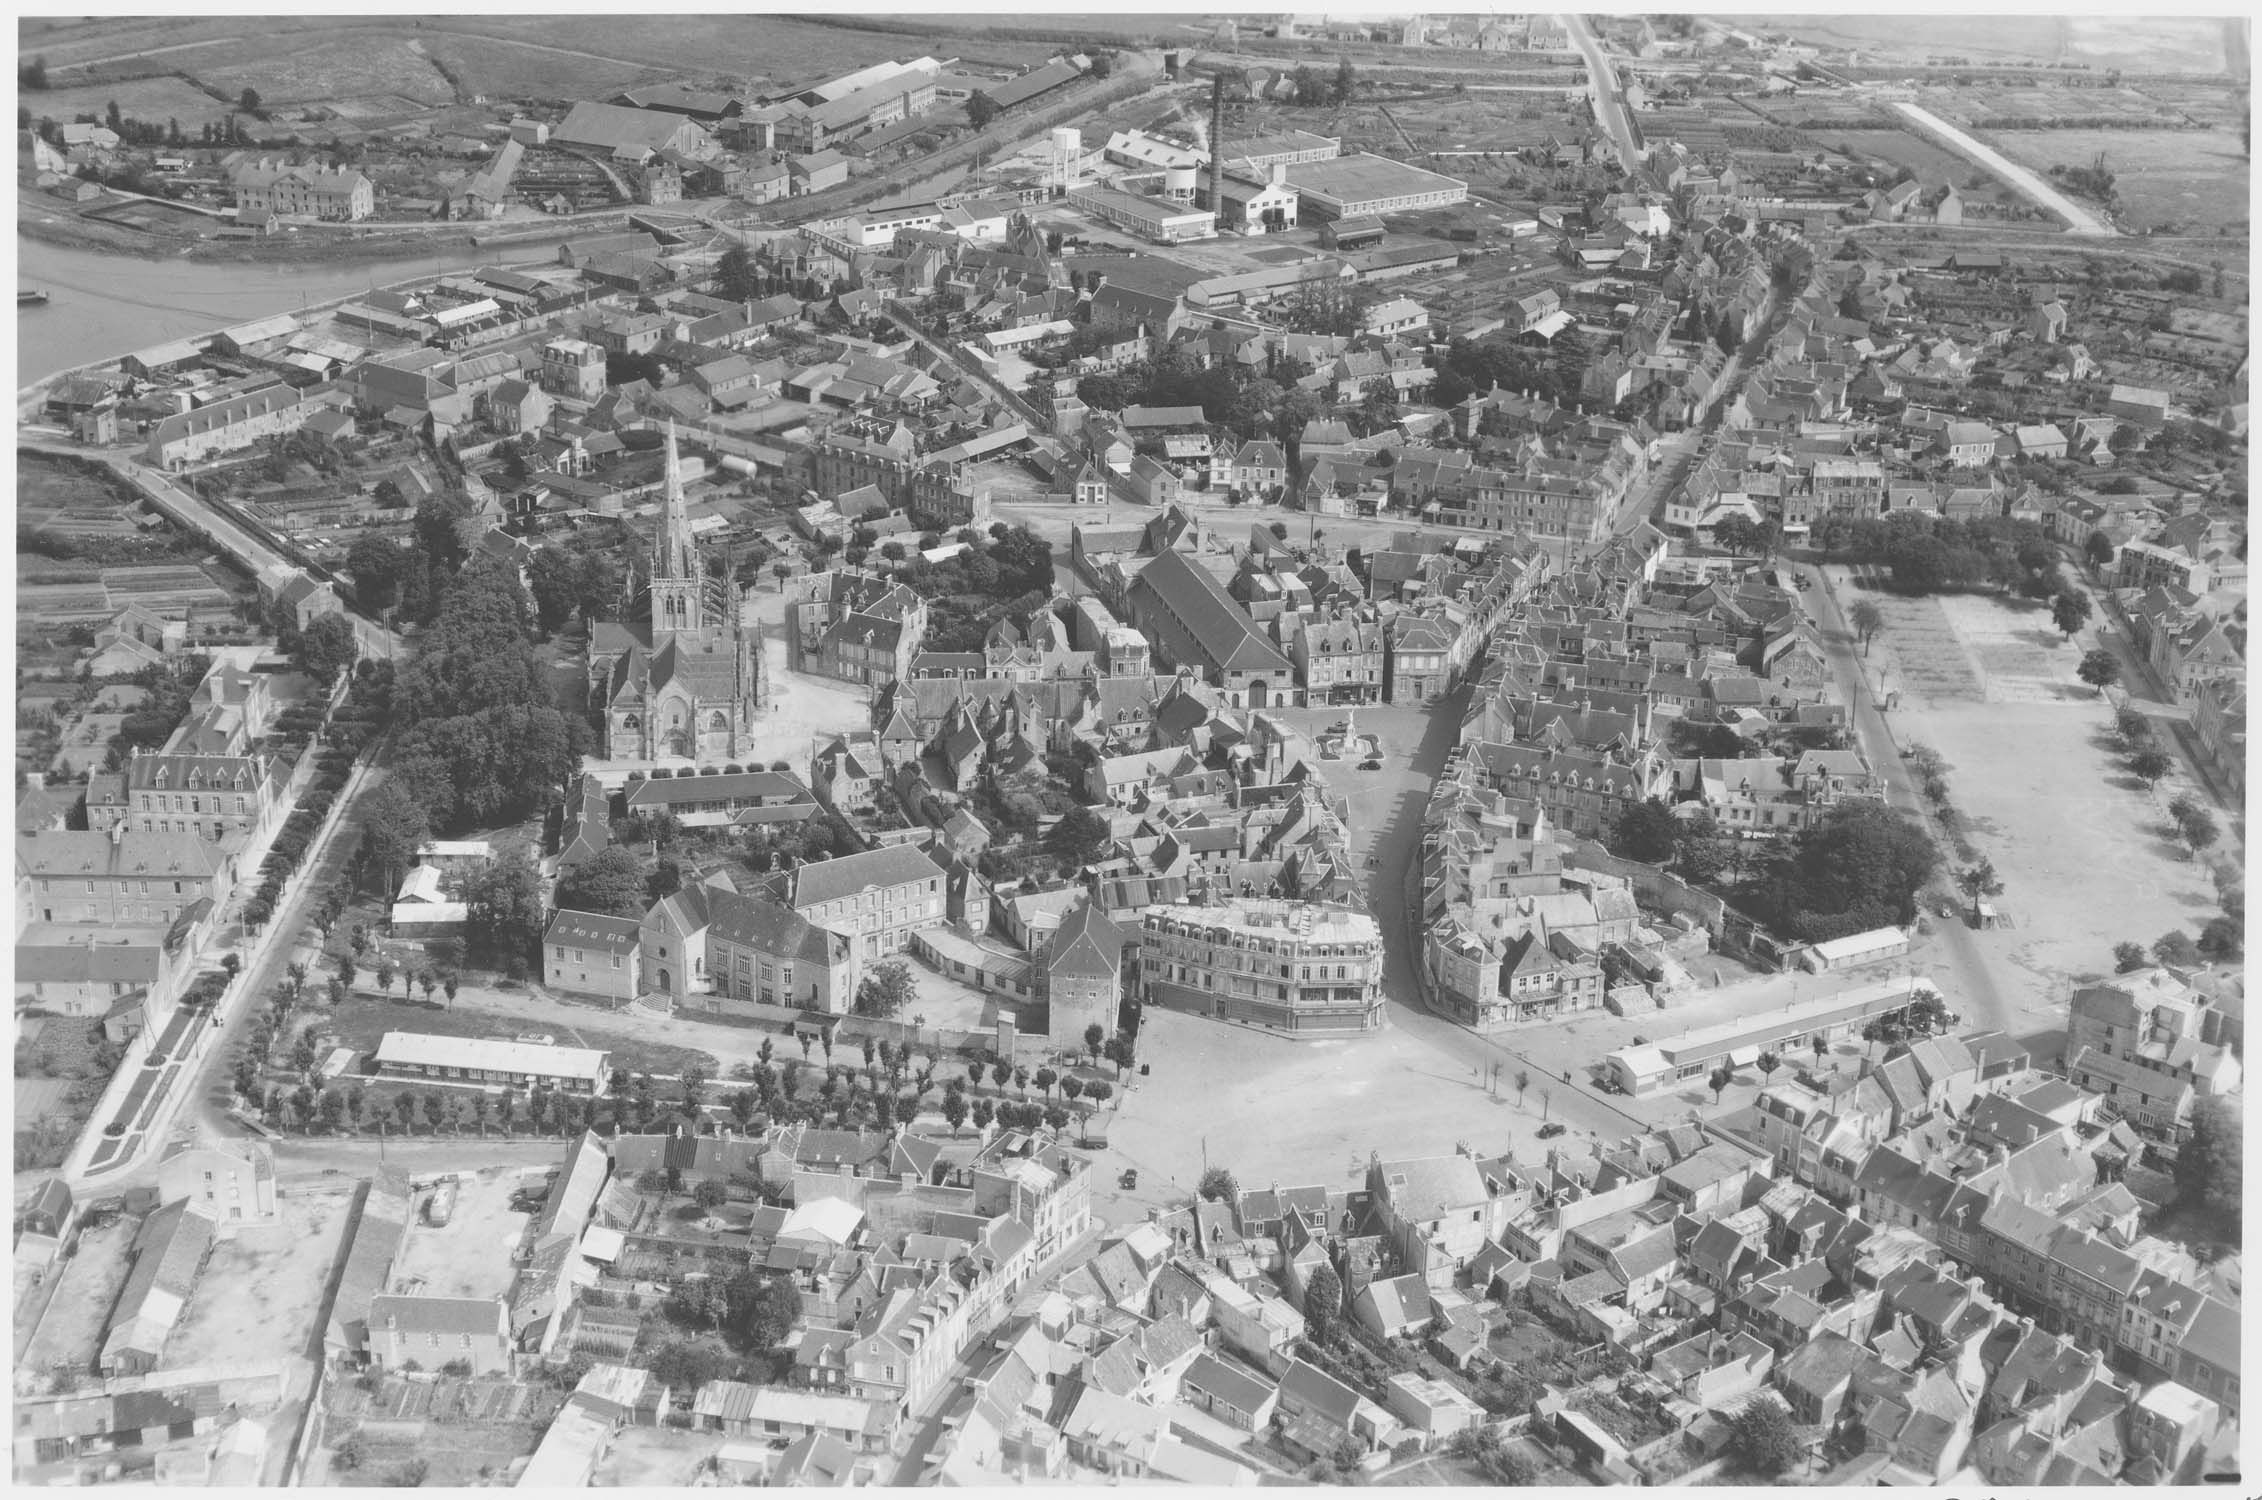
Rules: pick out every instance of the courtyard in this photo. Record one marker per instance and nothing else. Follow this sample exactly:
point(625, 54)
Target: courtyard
point(471, 1255)
point(264, 1287)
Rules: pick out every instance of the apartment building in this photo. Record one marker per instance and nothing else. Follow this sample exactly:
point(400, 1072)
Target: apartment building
point(879, 897)
point(1287, 966)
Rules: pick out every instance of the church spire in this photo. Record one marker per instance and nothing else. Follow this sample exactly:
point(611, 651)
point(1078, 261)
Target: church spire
point(677, 556)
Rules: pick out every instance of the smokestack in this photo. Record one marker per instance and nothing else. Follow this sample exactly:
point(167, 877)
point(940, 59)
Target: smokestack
point(1217, 144)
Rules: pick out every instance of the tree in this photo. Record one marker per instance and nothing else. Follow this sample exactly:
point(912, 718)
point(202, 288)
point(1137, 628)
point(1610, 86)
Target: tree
point(1045, 1078)
point(1767, 1063)
point(1346, 80)
point(888, 989)
point(2210, 1165)
point(1220, 1186)
point(1056, 1118)
point(1078, 838)
point(2069, 612)
point(954, 1110)
point(504, 912)
point(981, 109)
point(1103, 66)
point(2099, 550)
point(2223, 938)
point(1071, 1088)
point(2194, 822)
point(1737, 533)
point(737, 278)
point(609, 883)
point(1646, 831)
point(1523, 1081)
point(1979, 882)
point(982, 1111)
point(2150, 764)
point(2129, 957)
point(1095, 1039)
point(710, 1193)
point(2100, 669)
point(1718, 1082)
point(249, 103)
point(1867, 620)
point(385, 973)
point(377, 564)
point(2177, 951)
point(1323, 1302)
point(1762, 1438)
point(685, 1366)
point(346, 970)
point(326, 648)
point(1099, 1090)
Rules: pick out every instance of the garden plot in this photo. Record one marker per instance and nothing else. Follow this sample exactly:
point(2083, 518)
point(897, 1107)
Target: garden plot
point(1919, 652)
point(70, 1335)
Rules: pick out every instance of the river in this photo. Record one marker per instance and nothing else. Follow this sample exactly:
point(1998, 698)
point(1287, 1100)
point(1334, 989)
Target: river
point(102, 306)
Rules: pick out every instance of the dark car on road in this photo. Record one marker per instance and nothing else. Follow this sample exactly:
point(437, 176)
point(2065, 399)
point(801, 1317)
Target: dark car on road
point(1550, 1130)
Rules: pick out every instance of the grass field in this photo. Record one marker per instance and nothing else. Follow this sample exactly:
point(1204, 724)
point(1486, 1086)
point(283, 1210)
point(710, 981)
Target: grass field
point(2152, 42)
point(311, 69)
point(153, 99)
point(1932, 164)
point(45, 482)
point(2195, 178)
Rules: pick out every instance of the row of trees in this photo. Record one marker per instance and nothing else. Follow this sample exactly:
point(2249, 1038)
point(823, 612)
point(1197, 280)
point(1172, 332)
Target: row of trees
point(1928, 553)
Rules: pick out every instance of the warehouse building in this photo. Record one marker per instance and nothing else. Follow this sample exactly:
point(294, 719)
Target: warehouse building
point(1371, 186)
point(1157, 219)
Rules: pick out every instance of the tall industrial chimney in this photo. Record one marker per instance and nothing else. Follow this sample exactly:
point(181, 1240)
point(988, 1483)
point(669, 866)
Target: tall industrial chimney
point(1217, 144)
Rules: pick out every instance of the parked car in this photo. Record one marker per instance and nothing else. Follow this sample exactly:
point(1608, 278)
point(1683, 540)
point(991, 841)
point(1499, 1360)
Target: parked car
point(1551, 1130)
point(1129, 1179)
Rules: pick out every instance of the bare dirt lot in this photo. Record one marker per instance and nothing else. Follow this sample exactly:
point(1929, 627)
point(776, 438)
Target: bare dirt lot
point(2079, 843)
point(261, 1291)
point(471, 1257)
point(71, 1334)
point(656, 1457)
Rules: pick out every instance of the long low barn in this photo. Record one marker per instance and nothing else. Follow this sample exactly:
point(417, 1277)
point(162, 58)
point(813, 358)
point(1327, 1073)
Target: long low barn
point(1688, 1058)
point(416, 1054)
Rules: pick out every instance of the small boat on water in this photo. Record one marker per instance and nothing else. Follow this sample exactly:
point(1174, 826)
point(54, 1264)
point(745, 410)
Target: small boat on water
point(31, 297)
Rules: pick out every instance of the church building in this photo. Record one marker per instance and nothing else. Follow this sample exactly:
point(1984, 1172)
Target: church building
point(684, 677)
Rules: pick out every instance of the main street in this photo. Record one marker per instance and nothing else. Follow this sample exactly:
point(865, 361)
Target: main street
point(1610, 110)
point(197, 1103)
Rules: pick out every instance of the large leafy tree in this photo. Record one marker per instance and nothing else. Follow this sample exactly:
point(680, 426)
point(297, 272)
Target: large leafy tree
point(1860, 866)
point(762, 1309)
point(394, 825)
point(505, 911)
point(377, 564)
point(1646, 831)
point(610, 883)
point(2100, 669)
point(1762, 1438)
point(2210, 1166)
point(325, 648)
point(888, 989)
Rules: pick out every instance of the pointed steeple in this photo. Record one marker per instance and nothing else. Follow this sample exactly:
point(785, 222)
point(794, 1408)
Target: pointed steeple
point(676, 557)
